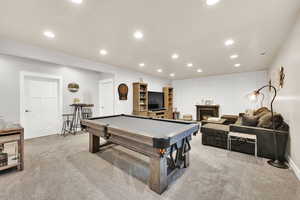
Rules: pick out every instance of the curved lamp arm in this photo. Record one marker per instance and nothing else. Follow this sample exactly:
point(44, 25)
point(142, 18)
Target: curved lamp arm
point(257, 92)
point(276, 162)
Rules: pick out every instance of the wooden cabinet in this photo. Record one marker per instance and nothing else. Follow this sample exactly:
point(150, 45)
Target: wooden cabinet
point(140, 102)
point(168, 100)
point(158, 114)
point(12, 134)
point(140, 99)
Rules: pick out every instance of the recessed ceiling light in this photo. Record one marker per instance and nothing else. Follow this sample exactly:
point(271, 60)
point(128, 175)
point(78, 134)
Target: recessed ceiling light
point(175, 56)
point(172, 74)
point(234, 56)
point(103, 52)
point(199, 70)
point(138, 35)
point(142, 64)
point(229, 42)
point(212, 2)
point(77, 1)
point(237, 65)
point(189, 65)
point(49, 34)
point(159, 70)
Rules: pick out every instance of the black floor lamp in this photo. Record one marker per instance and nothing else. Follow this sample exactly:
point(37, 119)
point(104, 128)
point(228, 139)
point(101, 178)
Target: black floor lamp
point(275, 162)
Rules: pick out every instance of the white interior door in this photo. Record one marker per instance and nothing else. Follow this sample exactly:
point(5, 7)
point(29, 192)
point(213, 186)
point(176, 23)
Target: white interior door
point(106, 93)
point(41, 107)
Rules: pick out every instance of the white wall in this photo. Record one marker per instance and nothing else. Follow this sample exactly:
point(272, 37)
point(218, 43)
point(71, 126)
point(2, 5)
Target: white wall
point(10, 47)
point(154, 84)
point(10, 68)
point(229, 91)
point(121, 106)
point(288, 100)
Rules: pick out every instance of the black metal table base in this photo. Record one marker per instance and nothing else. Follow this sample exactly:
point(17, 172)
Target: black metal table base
point(75, 125)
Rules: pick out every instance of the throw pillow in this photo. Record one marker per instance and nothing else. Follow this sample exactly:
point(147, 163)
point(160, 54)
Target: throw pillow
point(278, 120)
point(266, 121)
point(249, 121)
point(238, 121)
point(284, 127)
point(260, 110)
point(259, 115)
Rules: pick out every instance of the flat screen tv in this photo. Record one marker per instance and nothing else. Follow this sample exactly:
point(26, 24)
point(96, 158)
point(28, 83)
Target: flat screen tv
point(155, 100)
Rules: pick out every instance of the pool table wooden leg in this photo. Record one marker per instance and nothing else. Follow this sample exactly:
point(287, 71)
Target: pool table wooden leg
point(158, 180)
point(94, 143)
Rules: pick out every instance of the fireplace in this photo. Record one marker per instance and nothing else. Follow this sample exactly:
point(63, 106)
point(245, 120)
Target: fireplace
point(206, 111)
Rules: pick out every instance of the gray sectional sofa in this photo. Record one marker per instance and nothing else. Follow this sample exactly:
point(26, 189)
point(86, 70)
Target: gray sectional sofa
point(216, 135)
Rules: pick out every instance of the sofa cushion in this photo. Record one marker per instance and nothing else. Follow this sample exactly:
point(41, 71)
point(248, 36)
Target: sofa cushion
point(278, 119)
point(266, 121)
point(218, 127)
point(249, 120)
point(259, 115)
point(239, 121)
point(284, 127)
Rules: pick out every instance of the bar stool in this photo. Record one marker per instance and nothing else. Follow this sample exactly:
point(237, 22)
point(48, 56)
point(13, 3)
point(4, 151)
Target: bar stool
point(87, 113)
point(67, 122)
point(78, 116)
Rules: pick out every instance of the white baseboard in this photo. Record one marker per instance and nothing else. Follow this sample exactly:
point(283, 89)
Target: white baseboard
point(294, 167)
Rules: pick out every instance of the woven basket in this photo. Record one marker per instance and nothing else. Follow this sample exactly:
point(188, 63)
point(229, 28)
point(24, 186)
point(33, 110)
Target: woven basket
point(3, 159)
point(187, 117)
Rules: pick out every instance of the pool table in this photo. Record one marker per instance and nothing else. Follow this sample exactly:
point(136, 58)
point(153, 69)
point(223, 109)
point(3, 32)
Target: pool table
point(166, 142)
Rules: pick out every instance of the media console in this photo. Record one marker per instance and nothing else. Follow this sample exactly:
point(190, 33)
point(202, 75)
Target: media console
point(160, 114)
point(142, 105)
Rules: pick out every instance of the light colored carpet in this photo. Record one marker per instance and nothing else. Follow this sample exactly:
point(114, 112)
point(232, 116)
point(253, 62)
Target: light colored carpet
point(58, 168)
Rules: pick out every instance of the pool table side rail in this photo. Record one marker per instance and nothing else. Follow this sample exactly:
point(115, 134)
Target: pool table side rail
point(152, 141)
point(194, 126)
point(99, 126)
point(144, 117)
point(183, 133)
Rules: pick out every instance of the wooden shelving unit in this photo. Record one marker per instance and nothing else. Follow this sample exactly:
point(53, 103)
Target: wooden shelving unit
point(13, 133)
point(140, 102)
point(168, 98)
point(140, 99)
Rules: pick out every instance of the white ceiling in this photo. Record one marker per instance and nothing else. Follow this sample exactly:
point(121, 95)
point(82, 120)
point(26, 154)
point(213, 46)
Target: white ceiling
point(190, 28)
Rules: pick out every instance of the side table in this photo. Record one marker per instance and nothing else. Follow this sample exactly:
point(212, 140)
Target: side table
point(12, 133)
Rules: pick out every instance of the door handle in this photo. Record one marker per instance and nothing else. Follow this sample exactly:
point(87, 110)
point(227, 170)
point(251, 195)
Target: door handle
point(27, 111)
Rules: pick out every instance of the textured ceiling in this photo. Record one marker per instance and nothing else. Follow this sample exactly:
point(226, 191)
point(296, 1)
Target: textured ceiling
point(190, 28)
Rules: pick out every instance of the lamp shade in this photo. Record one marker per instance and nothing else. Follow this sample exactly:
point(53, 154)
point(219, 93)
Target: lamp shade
point(252, 96)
